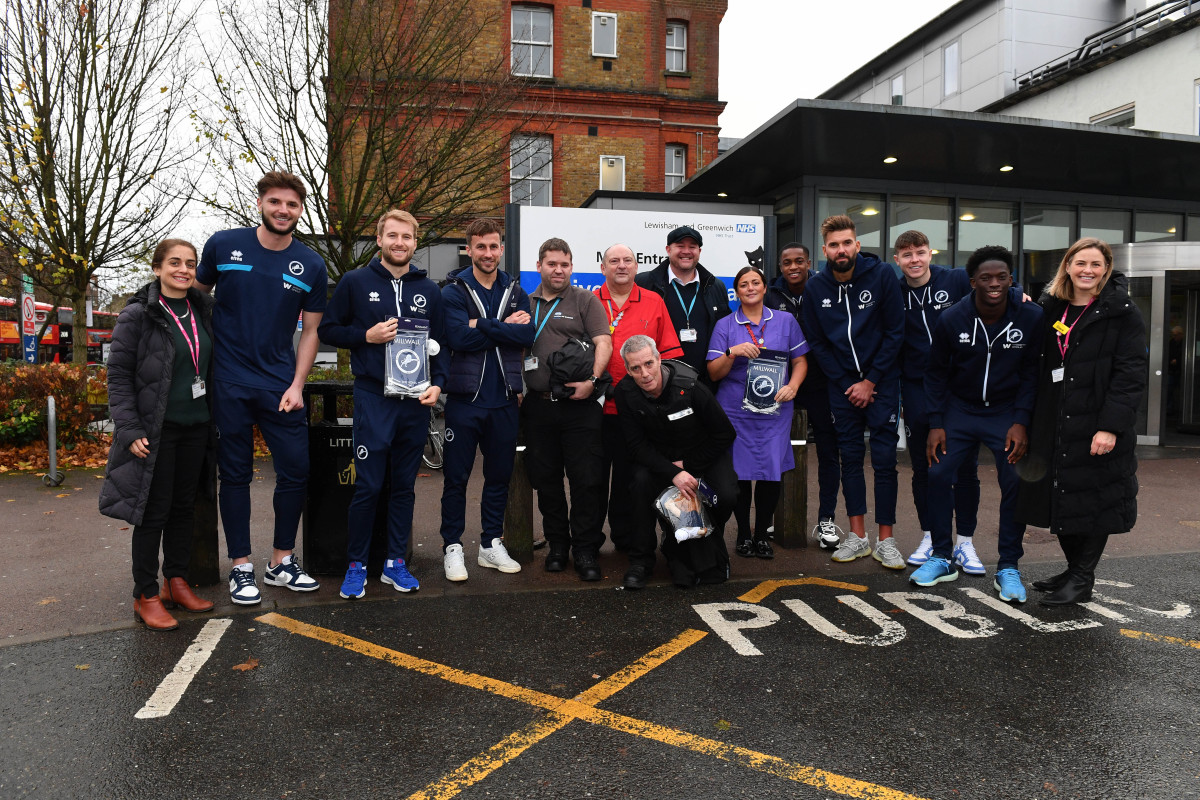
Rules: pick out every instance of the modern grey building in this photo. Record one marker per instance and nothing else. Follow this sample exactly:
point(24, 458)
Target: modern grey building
point(968, 180)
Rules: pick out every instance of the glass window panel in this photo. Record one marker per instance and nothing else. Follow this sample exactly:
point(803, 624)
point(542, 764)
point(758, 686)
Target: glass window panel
point(866, 210)
point(1046, 234)
point(532, 41)
point(898, 90)
point(1193, 228)
point(1108, 224)
point(604, 35)
point(612, 173)
point(676, 158)
point(950, 65)
point(1156, 227)
point(930, 216)
point(530, 170)
point(984, 222)
point(676, 47)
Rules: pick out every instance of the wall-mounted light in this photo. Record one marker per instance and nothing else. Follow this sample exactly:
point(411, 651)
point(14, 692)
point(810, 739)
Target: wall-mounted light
point(1170, 230)
point(722, 194)
point(1006, 168)
point(967, 217)
point(890, 160)
point(869, 211)
point(934, 252)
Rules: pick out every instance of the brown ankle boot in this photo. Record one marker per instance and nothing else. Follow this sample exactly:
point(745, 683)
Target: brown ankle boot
point(176, 592)
point(149, 609)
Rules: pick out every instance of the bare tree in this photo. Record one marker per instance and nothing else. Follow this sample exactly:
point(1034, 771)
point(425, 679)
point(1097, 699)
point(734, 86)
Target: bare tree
point(408, 103)
point(91, 155)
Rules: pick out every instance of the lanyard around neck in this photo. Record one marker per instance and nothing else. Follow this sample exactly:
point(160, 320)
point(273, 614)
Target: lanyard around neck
point(537, 313)
point(193, 347)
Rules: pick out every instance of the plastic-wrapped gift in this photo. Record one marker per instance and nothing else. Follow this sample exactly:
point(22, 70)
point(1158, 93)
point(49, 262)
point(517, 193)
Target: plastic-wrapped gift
point(406, 370)
point(765, 376)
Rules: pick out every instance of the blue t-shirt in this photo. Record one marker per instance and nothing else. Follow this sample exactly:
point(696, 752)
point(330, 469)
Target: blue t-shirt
point(259, 296)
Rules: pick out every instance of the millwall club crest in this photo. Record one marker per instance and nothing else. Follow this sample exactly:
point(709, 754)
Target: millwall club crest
point(361, 453)
point(1015, 335)
point(419, 301)
point(296, 268)
point(864, 297)
point(941, 296)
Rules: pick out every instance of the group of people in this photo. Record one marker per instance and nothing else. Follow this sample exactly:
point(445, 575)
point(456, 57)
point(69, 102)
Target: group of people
point(650, 381)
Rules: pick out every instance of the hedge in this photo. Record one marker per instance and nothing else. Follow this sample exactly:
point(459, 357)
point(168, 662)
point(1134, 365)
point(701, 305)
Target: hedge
point(23, 392)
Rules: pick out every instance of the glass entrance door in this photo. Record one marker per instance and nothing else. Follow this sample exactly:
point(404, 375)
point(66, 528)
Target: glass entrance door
point(1182, 406)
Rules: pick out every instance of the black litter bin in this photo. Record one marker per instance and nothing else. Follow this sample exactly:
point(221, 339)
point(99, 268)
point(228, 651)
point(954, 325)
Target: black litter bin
point(331, 487)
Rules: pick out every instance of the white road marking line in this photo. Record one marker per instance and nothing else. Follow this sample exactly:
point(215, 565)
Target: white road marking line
point(169, 692)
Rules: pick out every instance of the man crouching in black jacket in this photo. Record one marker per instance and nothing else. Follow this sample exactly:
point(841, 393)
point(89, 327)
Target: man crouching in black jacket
point(677, 434)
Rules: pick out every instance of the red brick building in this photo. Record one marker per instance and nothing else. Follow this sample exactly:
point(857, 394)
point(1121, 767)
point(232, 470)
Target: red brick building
point(635, 85)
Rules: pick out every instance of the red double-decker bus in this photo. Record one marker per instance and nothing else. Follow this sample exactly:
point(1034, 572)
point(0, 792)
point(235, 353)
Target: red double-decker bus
point(59, 339)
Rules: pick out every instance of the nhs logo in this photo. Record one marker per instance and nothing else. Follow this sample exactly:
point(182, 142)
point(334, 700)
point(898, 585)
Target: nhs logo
point(746, 227)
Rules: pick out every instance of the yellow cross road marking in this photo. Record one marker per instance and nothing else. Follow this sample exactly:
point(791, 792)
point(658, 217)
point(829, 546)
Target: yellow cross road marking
point(562, 711)
point(760, 592)
point(1154, 637)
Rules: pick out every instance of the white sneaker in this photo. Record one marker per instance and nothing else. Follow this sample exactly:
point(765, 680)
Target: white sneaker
point(923, 552)
point(965, 556)
point(452, 562)
point(827, 534)
point(496, 557)
point(242, 589)
point(852, 547)
point(888, 554)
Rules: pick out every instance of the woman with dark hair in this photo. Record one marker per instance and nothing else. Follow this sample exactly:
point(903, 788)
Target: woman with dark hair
point(1080, 477)
point(158, 377)
point(750, 356)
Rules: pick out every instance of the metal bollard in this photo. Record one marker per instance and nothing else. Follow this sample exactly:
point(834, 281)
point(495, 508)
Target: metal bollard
point(518, 514)
point(791, 515)
point(52, 477)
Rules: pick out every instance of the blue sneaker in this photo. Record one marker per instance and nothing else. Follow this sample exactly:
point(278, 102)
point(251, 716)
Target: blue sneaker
point(935, 570)
point(355, 585)
point(1008, 584)
point(397, 574)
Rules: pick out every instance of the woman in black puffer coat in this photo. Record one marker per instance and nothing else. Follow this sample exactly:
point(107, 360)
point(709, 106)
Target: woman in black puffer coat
point(1080, 476)
point(158, 374)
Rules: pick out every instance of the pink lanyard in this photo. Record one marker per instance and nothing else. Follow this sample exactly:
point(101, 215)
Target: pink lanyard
point(194, 353)
point(1065, 341)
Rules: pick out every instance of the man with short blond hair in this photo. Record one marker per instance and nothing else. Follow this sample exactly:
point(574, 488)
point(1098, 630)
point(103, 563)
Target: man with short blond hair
point(369, 308)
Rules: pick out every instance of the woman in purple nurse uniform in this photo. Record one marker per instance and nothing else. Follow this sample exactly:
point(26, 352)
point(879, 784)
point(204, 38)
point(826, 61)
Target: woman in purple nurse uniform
point(756, 356)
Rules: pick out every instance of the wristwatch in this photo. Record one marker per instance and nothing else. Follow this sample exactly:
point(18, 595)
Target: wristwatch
point(593, 380)
point(727, 353)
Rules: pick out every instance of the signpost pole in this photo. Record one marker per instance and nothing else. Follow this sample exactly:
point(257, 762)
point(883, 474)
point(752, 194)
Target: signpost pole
point(28, 320)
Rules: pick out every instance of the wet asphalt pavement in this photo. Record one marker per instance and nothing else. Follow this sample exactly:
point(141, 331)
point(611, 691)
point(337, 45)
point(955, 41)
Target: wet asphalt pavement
point(873, 688)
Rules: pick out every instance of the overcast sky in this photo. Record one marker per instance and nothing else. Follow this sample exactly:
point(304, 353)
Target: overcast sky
point(773, 51)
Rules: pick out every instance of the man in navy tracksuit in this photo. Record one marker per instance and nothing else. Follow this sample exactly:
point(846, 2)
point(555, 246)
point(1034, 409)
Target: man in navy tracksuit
point(364, 314)
point(981, 383)
point(928, 291)
point(787, 294)
point(853, 314)
point(487, 328)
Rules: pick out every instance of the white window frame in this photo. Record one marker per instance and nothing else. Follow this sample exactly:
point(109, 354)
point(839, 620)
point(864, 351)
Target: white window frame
point(602, 19)
point(520, 174)
point(531, 44)
point(681, 50)
point(954, 48)
point(892, 89)
point(674, 179)
point(600, 175)
point(1196, 108)
point(1121, 117)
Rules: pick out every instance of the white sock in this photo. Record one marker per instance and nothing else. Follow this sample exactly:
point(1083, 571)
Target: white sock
point(245, 567)
point(963, 540)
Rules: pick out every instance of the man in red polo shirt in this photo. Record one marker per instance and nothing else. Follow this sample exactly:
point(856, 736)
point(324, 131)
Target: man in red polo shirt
point(631, 310)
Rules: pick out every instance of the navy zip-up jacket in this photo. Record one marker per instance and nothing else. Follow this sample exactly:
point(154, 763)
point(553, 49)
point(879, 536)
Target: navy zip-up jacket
point(370, 295)
point(923, 307)
point(855, 328)
point(984, 368)
point(493, 344)
point(781, 298)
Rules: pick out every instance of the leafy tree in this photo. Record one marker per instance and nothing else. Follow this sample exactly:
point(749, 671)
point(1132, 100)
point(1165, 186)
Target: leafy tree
point(93, 169)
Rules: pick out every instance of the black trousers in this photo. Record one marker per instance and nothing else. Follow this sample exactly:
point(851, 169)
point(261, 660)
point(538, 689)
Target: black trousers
point(618, 472)
point(170, 508)
point(563, 437)
point(646, 488)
